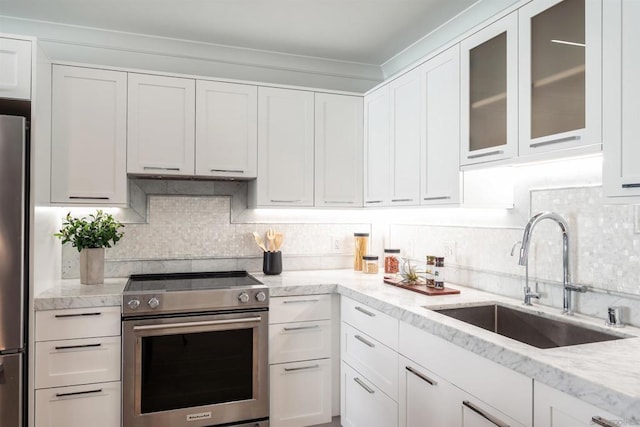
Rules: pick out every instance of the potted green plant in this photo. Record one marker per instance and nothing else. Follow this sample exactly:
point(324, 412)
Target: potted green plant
point(91, 236)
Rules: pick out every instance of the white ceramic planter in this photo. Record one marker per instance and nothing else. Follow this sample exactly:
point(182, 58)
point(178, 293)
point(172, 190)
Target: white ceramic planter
point(92, 266)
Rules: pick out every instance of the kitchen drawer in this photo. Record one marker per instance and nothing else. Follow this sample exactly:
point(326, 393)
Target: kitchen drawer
point(300, 393)
point(364, 404)
point(377, 362)
point(95, 405)
point(77, 323)
point(83, 361)
point(290, 342)
point(299, 308)
point(372, 322)
point(474, 374)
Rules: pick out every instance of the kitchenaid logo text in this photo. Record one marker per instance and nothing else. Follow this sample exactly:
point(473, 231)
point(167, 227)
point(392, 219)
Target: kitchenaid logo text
point(199, 416)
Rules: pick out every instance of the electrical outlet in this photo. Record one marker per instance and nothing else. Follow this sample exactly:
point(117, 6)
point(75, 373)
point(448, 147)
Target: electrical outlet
point(449, 249)
point(336, 244)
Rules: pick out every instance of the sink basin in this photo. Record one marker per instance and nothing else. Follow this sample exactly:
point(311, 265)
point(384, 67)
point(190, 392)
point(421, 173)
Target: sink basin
point(528, 328)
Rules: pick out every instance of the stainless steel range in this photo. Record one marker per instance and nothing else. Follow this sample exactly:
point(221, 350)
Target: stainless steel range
point(195, 350)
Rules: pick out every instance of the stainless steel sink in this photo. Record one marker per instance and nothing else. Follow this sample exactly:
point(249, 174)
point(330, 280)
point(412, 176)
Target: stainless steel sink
point(528, 328)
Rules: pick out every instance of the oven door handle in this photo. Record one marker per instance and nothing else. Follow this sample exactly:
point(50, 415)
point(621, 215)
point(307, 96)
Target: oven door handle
point(192, 324)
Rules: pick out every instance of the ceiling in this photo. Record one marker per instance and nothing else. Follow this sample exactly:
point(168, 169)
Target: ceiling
point(363, 31)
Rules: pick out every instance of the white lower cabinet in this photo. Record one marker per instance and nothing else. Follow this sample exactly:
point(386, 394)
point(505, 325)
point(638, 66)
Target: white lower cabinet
point(553, 408)
point(364, 404)
point(97, 405)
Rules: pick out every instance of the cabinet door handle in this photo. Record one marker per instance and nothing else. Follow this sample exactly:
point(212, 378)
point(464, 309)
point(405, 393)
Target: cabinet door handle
point(158, 168)
point(90, 197)
point(299, 301)
point(364, 386)
point(604, 422)
point(285, 201)
point(79, 393)
point(554, 141)
point(634, 185)
point(493, 420)
point(301, 328)
point(422, 376)
point(62, 316)
point(402, 200)
point(301, 368)
point(227, 170)
point(364, 341)
point(488, 153)
point(373, 201)
point(367, 312)
point(69, 347)
point(437, 198)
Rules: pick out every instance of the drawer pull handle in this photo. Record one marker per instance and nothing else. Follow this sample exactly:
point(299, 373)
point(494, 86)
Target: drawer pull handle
point(493, 420)
point(79, 393)
point(603, 422)
point(489, 153)
point(373, 201)
point(158, 168)
point(298, 301)
point(363, 385)
point(402, 200)
point(70, 347)
point(437, 198)
point(90, 197)
point(62, 316)
point(367, 312)
point(364, 341)
point(634, 185)
point(227, 170)
point(332, 202)
point(301, 368)
point(422, 376)
point(301, 328)
point(286, 201)
point(554, 141)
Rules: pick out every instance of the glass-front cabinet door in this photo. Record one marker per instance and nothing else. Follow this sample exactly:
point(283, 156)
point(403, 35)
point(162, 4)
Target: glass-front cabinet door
point(560, 75)
point(489, 92)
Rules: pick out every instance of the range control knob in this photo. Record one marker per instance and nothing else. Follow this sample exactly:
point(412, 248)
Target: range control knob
point(133, 304)
point(261, 296)
point(243, 297)
point(154, 302)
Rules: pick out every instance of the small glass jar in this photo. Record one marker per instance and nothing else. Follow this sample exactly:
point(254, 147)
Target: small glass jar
point(391, 261)
point(438, 273)
point(431, 265)
point(360, 248)
point(370, 264)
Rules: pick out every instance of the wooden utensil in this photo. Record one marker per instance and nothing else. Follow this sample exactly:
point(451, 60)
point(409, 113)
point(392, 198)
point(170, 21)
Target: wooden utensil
point(278, 240)
point(271, 237)
point(259, 241)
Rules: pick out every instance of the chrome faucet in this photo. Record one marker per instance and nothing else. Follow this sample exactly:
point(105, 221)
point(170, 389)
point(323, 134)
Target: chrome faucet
point(567, 286)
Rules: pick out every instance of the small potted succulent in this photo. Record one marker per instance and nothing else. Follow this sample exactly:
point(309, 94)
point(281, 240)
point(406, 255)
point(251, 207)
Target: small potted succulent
point(90, 236)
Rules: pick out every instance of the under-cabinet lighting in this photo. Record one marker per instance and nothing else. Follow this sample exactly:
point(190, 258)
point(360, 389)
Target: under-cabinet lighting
point(568, 43)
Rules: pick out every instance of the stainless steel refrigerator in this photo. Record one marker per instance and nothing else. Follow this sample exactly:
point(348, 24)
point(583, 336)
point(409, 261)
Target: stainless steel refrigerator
point(13, 268)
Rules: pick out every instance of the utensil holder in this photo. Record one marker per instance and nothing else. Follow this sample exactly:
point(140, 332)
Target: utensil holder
point(272, 263)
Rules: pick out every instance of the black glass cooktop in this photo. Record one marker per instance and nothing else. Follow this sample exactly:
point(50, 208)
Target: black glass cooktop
point(190, 281)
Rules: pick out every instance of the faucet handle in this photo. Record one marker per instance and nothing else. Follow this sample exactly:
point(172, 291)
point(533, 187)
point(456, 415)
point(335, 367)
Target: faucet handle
point(576, 288)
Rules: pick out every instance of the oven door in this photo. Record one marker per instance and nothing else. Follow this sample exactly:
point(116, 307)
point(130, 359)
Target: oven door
point(196, 370)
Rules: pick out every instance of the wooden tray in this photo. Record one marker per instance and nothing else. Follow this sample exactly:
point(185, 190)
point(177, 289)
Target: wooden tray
point(421, 287)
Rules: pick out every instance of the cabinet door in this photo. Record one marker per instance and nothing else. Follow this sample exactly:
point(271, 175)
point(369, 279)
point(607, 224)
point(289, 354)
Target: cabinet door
point(363, 404)
point(89, 137)
point(553, 408)
point(226, 130)
point(97, 405)
point(300, 393)
point(15, 69)
point(376, 148)
point(489, 93)
point(440, 153)
point(405, 139)
point(621, 102)
point(285, 147)
point(424, 398)
point(560, 75)
point(338, 150)
point(161, 125)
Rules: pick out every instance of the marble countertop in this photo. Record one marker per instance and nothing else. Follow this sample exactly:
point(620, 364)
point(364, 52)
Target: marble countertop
point(605, 374)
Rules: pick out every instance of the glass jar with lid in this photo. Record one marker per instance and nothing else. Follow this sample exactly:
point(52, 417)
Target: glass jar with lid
point(370, 264)
point(391, 261)
point(360, 248)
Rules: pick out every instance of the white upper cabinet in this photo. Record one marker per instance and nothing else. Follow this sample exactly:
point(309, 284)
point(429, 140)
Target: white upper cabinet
point(621, 108)
point(376, 148)
point(489, 93)
point(560, 75)
point(440, 152)
point(285, 147)
point(161, 125)
point(89, 137)
point(15, 69)
point(338, 150)
point(226, 130)
point(405, 98)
